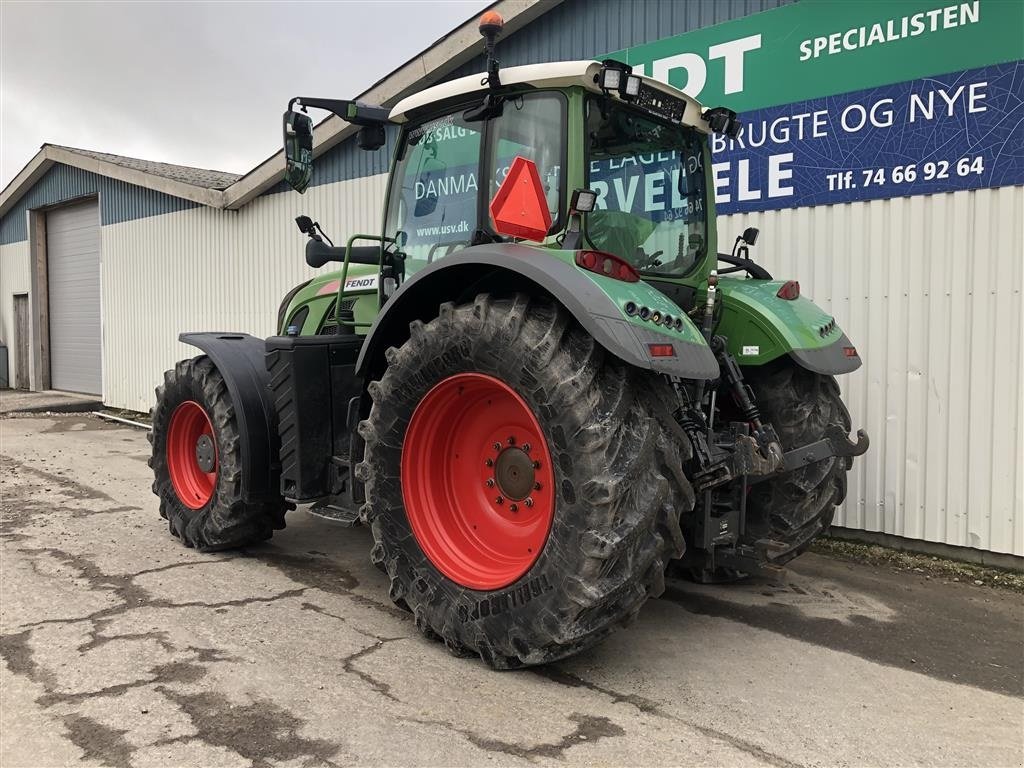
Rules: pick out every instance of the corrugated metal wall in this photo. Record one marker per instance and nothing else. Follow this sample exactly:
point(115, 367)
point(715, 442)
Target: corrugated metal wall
point(929, 289)
point(15, 277)
point(203, 269)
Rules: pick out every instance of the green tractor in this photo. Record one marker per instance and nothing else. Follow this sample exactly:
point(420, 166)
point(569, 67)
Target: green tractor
point(534, 384)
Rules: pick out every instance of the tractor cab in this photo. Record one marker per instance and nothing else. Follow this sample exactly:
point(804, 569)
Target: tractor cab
point(634, 150)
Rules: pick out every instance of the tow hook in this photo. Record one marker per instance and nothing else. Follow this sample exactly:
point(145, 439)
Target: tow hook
point(835, 443)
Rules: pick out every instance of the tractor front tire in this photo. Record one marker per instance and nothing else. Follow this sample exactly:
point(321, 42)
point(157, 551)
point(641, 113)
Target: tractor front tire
point(196, 463)
point(797, 506)
point(525, 488)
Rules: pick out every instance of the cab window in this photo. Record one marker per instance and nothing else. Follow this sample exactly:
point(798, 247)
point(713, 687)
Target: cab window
point(432, 205)
point(531, 126)
point(649, 178)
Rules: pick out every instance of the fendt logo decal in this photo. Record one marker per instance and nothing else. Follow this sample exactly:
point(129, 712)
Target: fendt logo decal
point(361, 283)
point(351, 284)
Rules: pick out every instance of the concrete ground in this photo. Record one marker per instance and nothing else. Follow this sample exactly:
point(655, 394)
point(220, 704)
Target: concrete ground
point(123, 648)
point(20, 401)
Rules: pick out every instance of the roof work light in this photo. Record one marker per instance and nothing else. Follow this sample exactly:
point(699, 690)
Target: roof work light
point(619, 77)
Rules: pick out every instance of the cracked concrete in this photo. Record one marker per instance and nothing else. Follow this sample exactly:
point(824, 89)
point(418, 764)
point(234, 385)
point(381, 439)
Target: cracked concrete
point(122, 648)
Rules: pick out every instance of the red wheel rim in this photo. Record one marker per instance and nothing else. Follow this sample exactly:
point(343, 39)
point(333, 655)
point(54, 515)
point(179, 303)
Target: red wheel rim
point(477, 481)
point(191, 445)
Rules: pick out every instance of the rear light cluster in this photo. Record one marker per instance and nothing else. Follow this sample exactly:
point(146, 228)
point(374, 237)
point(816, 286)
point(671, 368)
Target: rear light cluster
point(653, 316)
point(789, 291)
point(608, 265)
point(827, 328)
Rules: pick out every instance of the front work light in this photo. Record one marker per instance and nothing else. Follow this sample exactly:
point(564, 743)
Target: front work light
point(632, 87)
point(582, 201)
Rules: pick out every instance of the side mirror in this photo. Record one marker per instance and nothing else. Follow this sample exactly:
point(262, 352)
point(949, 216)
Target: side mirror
point(750, 235)
point(298, 149)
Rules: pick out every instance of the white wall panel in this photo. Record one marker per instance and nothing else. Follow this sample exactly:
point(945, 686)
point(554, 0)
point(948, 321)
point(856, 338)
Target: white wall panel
point(929, 289)
point(204, 269)
point(15, 277)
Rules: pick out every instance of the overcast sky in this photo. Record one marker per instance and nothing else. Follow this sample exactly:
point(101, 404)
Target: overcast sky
point(195, 83)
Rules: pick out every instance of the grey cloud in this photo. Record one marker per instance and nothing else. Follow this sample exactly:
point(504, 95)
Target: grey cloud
point(193, 83)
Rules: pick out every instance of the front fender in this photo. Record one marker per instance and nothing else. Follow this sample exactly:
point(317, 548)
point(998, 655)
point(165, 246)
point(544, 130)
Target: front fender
point(595, 301)
point(241, 360)
point(761, 327)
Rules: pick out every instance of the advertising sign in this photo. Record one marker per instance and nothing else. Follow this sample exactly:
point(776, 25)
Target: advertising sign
point(848, 101)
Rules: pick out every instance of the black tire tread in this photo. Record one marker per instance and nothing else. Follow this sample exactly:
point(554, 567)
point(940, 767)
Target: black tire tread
point(227, 521)
point(798, 506)
point(624, 483)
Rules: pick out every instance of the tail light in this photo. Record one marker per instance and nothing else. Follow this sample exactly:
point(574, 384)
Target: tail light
point(661, 350)
point(790, 290)
point(608, 265)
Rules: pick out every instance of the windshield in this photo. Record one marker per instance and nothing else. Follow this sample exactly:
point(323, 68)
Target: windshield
point(649, 178)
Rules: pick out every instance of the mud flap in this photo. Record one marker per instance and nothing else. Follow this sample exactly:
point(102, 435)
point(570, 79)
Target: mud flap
point(240, 359)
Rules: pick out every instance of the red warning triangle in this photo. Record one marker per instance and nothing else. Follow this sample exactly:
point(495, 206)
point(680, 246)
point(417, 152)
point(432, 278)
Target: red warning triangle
point(519, 208)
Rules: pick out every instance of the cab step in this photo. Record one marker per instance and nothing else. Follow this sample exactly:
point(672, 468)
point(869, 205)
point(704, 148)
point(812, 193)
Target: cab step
point(346, 517)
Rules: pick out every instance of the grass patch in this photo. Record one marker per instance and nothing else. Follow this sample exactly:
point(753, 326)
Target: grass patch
point(929, 565)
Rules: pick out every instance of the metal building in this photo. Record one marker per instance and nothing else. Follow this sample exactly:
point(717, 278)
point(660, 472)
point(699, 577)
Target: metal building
point(861, 166)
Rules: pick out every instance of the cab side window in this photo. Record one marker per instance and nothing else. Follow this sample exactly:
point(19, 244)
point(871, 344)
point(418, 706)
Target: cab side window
point(432, 207)
point(531, 126)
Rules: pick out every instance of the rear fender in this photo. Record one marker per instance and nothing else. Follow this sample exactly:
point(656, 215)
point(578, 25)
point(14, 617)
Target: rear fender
point(761, 327)
point(240, 358)
point(595, 301)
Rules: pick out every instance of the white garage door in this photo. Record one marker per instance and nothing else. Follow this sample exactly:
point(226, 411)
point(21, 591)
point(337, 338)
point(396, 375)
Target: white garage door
point(73, 263)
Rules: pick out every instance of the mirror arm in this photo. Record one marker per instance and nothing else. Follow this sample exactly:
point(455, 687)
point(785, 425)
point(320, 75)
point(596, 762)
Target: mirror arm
point(355, 112)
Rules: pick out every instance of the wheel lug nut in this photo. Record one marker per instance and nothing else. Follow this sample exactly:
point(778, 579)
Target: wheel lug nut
point(511, 440)
point(536, 465)
point(500, 500)
point(490, 482)
point(497, 446)
point(537, 486)
point(514, 507)
point(489, 462)
point(528, 502)
point(526, 447)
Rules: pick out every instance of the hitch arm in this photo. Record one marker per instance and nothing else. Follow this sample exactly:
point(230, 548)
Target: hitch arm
point(835, 443)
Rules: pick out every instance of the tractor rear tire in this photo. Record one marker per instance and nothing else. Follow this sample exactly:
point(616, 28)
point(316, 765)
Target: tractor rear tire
point(204, 508)
point(607, 462)
point(798, 506)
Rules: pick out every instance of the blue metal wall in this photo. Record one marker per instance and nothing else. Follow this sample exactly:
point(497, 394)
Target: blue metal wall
point(119, 201)
point(585, 29)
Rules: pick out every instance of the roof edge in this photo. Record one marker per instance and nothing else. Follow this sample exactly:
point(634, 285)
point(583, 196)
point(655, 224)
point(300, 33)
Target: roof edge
point(444, 56)
point(49, 154)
